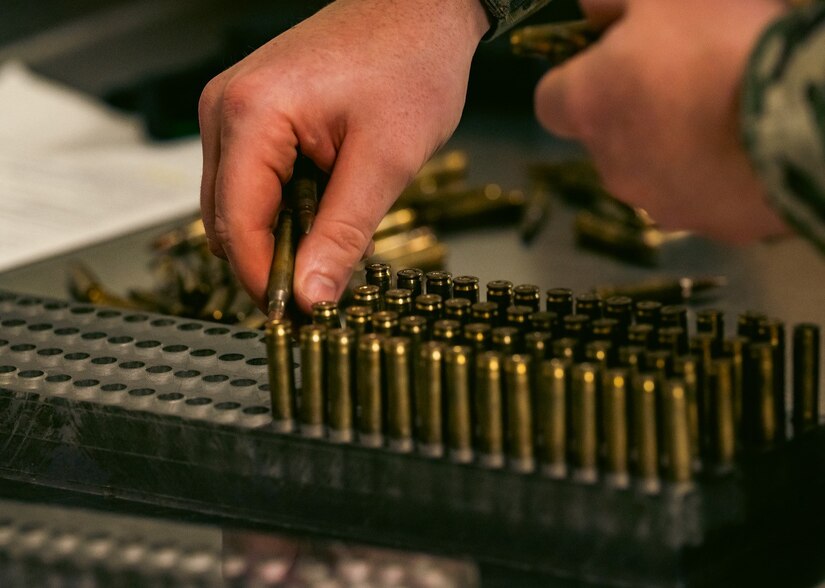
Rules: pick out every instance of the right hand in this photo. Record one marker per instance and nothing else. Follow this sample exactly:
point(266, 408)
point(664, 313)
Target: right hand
point(367, 89)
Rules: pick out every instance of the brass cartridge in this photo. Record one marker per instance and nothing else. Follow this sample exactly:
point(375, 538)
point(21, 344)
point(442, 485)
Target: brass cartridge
point(457, 309)
point(711, 320)
point(458, 369)
point(341, 384)
point(440, 283)
point(620, 309)
point(600, 353)
point(631, 357)
point(279, 284)
point(527, 295)
point(385, 322)
point(723, 446)
point(584, 391)
point(590, 305)
point(736, 348)
point(500, 292)
point(304, 192)
point(517, 377)
point(398, 300)
point(773, 331)
point(397, 351)
point(556, 42)
point(278, 334)
point(414, 327)
point(659, 362)
point(747, 324)
point(369, 382)
point(762, 424)
point(478, 336)
point(646, 448)
point(359, 319)
point(805, 377)
point(641, 335)
point(615, 426)
point(312, 401)
point(447, 331)
point(672, 339)
point(484, 312)
point(545, 321)
point(506, 340)
point(367, 295)
point(567, 349)
point(686, 369)
point(577, 326)
point(489, 409)
point(537, 345)
point(648, 312)
point(676, 433)
point(429, 398)
point(701, 347)
point(429, 306)
point(411, 279)
point(606, 329)
point(466, 287)
point(551, 422)
point(518, 317)
point(675, 315)
point(325, 313)
point(380, 275)
point(560, 301)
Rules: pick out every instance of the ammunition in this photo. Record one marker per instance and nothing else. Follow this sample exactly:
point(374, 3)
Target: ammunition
point(576, 326)
point(615, 427)
point(484, 312)
point(666, 290)
point(641, 334)
point(380, 275)
point(325, 313)
point(646, 448)
point(397, 351)
point(473, 207)
point(631, 357)
point(686, 369)
point(551, 423)
point(340, 384)
point(527, 295)
point(555, 42)
point(367, 295)
point(566, 348)
point(438, 172)
point(747, 324)
point(517, 379)
point(457, 365)
point(723, 436)
point(440, 283)
point(415, 329)
point(619, 239)
point(457, 309)
point(447, 331)
point(395, 222)
point(359, 319)
point(304, 192)
point(701, 347)
point(411, 279)
point(428, 399)
point(278, 335)
point(762, 424)
point(736, 348)
point(674, 315)
point(710, 320)
point(606, 329)
point(600, 353)
point(537, 345)
point(589, 305)
point(672, 339)
point(805, 377)
point(368, 389)
point(466, 287)
point(279, 285)
point(311, 408)
point(560, 301)
point(506, 340)
point(584, 389)
point(659, 362)
point(620, 309)
point(536, 211)
point(429, 306)
point(648, 312)
point(500, 292)
point(478, 336)
point(773, 331)
point(518, 317)
point(399, 301)
point(676, 433)
point(545, 321)
point(385, 323)
point(489, 409)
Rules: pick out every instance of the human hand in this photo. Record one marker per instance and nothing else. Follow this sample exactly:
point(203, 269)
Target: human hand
point(367, 89)
point(656, 103)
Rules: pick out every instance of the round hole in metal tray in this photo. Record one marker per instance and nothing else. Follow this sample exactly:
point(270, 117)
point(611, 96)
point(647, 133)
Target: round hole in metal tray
point(93, 335)
point(87, 383)
point(56, 305)
point(29, 301)
point(105, 360)
point(190, 327)
point(76, 356)
point(264, 387)
point(108, 313)
point(132, 365)
point(162, 322)
point(7, 369)
point(136, 318)
point(64, 331)
point(6, 296)
point(3, 342)
point(113, 387)
point(187, 374)
point(170, 396)
point(147, 344)
point(203, 353)
point(215, 378)
point(30, 374)
point(50, 351)
point(22, 347)
point(9, 323)
point(256, 361)
point(255, 410)
point(83, 309)
point(230, 357)
point(178, 348)
point(141, 392)
point(58, 378)
point(243, 382)
point(227, 405)
point(245, 335)
point(159, 369)
point(199, 401)
point(38, 327)
point(216, 331)
point(120, 339)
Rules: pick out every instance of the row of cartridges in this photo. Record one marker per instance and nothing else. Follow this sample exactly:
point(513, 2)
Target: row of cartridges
point(583, 388)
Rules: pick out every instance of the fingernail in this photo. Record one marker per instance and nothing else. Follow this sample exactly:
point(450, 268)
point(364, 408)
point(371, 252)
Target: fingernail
point(320, 288)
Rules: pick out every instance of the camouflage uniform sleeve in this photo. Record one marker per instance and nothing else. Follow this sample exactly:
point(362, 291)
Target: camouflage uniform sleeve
point(783, 117)
point(506, 13)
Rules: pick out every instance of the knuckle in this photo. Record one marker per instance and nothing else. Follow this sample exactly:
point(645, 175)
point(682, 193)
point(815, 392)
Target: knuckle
point(239, 97)
point(348, 237)
point(209, 99)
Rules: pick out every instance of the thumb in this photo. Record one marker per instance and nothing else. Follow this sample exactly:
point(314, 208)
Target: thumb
point(602, 13)
point(360, 190)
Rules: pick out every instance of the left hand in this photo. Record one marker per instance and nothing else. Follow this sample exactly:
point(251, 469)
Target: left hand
point(656, 103)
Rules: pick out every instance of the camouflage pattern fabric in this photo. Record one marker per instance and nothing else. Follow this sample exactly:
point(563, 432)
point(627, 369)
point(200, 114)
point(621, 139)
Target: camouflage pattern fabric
point(505, 13)
point(783, 117)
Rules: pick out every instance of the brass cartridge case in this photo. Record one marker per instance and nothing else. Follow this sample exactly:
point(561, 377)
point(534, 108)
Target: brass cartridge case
point(577, 326)
point(606, 329)
point(489, 409)
point(590, 305)
point(672, 339)
point(701, 347)
point(440, 283)
point(711, 320)
point(567, 349)
point(447, 331)
point(686, 369)
point(500, 292)
point(466, 287)
point(369, 380)
point(747, 324)
point(600, 353)
point(519, 317)
point(458, 369)
point(279, 284)
point(773, 331)
point(545, 321)
point(429, 306)
point(631, 357)
point(560, 301)
point(527, 295)
point(551, 421)
point(615, 392)
point(584, 392)
point(478, 336)
point(398, 300)
point(380, 275)
point(429, 398)
point(659, 362)
point(723, 446)
point(484, 312)
point(311, 409)
point(385, 322)
point(399, 362)
point(673, 315)
point(367, 295)
point(620, 308)
point(763, 426)
point(341, 385)
point(506, 340)
point(278, 335)
point(805, 377)
point(648, 312)
point(411, 279)
point(641, 335)
point(457, 309)
point(676, 433)
point(736, 348)
point(415, 329)
point(517, 377)
point(325, 313)
point(359, 319)
point(645, 443)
